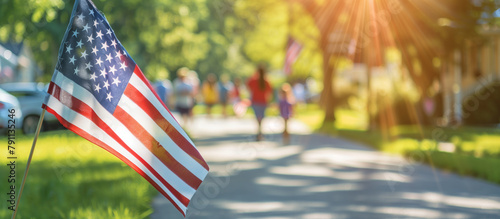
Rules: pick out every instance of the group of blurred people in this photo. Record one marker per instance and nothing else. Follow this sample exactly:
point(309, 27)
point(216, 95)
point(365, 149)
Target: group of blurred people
point(182, 91)
point(223, 92)
point(186, 91)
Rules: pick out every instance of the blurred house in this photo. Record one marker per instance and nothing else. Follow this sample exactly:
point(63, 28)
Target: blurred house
point(472, 68)
point(17, 63)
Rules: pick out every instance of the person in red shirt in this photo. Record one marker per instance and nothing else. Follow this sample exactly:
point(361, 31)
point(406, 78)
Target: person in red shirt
point(260, 91)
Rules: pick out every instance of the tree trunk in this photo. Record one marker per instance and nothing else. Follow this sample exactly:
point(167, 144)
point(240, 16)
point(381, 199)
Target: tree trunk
point(327, 96)
point(368, 60)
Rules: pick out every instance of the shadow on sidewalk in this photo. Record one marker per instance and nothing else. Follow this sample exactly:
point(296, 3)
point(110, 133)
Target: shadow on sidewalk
point(323, 177)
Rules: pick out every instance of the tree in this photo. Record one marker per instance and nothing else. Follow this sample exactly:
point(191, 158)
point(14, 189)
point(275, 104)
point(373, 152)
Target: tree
point(161, 36)
point(39, 23)
point(423, 31)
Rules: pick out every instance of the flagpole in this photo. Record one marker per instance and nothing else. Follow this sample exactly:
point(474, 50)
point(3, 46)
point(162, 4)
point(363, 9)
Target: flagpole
point(40, 121)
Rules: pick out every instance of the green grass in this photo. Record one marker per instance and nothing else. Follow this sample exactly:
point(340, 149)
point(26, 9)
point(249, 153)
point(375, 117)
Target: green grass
point(70, 177)
point(480, 167)
point(477, 150)
point(312, 115)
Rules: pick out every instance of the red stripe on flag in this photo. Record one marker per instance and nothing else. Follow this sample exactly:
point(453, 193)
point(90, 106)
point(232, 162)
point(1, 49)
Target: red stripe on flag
point(173, 133)
point(86, 111)
point(156, 148)
point(106, 147)
point(138, 72)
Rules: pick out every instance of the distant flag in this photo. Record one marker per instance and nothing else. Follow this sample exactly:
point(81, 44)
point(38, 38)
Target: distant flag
point(98, 92)
point(293, 50)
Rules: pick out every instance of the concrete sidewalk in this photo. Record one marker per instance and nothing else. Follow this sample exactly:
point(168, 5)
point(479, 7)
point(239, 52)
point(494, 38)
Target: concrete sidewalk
point(319, 177)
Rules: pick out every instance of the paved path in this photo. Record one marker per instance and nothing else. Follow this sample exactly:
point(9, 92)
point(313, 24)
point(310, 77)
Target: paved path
point(319, 177)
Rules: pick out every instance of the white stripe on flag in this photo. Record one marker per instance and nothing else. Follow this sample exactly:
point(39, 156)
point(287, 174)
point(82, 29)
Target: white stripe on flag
point(94, 130)
point(123, 133)
point(144, 89)
point(159, 134)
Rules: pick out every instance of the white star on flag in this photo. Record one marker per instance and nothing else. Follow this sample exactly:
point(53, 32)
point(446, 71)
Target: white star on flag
point(97, 88)
point(72, 60)
point(99, 61)
point(93, 76)
point(80, 17)
point(68, 49)
point(116, 81)
point(105, 46)
point(106, 85)
point(90, 38)
point(113, 43)
point(84, 54)
point(88, 66)
point(118, 54)
point(103, 73)
point(99, 34)
point(79, 44)
point(109, 97)
point(86, 28)
point(112, 69)
point(123, 66)
point(109, 58)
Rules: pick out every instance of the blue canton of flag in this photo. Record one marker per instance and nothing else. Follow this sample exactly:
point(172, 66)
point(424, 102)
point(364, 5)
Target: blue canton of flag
point(93, 57)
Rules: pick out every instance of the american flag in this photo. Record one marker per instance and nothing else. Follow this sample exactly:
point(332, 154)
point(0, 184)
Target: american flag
point(292, 52)
point(98, 92)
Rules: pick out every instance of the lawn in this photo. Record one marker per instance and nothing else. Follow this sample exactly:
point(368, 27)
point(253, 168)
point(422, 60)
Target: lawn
point(475, 151)
point(70, 177)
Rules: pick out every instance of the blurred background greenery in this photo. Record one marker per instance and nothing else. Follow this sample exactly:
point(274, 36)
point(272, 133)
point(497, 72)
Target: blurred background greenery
point(361, 48)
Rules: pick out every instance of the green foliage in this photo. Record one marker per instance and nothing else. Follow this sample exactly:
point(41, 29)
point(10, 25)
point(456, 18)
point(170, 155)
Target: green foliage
point(267, 38)
point(70, 177)
point(39, 24)
point(269, 24)
point(400, 107)
point(162, 36)
point(303, 29)
point(21, 18)
point(216, 36)
point(463, 164)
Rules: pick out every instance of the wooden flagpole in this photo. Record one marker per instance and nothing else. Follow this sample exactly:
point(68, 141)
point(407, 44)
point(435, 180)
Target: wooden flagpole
point(40, 121)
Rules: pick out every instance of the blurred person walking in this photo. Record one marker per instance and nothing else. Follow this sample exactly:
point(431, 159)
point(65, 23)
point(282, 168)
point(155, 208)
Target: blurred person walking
point(285, 102)
point(300, 92)
point(240, 106)
point(210, 93)
point(193, 79)
point(235, 93)
point(183, 71)
point(164, 90)
point(260, 91)
point(225, 87)
point(184, 95)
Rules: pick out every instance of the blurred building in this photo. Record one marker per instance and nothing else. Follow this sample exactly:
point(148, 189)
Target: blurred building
point(474, 67)
point(17, 63)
